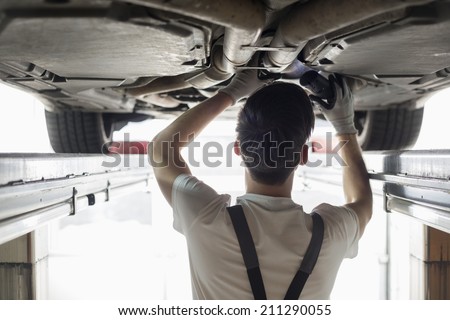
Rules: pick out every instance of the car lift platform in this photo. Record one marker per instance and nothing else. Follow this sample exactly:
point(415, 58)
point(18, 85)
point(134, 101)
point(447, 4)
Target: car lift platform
point(415, 183)
point(38, 188)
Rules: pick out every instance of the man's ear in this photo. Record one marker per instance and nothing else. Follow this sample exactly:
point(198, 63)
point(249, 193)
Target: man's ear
point(304, 155)
point(237, 148)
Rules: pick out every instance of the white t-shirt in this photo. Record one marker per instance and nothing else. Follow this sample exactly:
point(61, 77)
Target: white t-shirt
point(281, 231)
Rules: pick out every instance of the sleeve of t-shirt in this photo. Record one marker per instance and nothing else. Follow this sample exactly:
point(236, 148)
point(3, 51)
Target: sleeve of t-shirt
point(193, 199)
point(342, 225)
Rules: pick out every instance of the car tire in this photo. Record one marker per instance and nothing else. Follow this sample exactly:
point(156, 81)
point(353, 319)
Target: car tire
point(391, 129)
point(78, 132)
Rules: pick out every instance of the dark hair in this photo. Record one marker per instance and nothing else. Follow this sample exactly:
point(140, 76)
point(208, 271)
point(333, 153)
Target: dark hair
point(274, 124)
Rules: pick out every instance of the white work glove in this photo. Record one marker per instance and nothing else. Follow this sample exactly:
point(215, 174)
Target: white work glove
point(244, 84)
point(341, 113)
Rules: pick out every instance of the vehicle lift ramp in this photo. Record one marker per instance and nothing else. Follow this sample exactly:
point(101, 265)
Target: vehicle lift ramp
point(36, 189)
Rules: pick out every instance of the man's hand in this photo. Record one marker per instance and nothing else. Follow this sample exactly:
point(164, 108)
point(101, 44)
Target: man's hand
point(244, 84)
point(342, 113)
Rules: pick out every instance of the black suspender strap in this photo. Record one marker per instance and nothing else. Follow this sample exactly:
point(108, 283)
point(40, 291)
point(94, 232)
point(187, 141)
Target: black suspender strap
point(248, 251)
point(309, 260)
point(251, 259)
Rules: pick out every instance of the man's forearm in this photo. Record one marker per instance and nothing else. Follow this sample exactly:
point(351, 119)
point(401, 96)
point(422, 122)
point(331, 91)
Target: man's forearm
point(355, 176)
point(164, 150)
point(358, 193)
point(187, 126)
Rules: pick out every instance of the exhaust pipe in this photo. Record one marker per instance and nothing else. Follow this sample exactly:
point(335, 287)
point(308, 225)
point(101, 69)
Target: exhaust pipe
point(309, 20)
point(203, 80)
point(243, 21)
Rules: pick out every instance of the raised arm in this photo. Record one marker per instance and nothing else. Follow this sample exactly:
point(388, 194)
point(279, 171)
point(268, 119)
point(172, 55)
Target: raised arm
point(357, 191)
point(165, 148)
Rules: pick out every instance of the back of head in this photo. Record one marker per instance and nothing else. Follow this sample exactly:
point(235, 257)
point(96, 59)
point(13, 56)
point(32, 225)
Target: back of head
point(272, 127)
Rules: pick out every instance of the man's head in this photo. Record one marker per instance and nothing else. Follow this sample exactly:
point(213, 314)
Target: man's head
point(272, 129)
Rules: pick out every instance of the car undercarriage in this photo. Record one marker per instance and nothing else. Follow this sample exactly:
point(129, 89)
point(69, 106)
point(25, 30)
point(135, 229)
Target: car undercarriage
point(99, 64)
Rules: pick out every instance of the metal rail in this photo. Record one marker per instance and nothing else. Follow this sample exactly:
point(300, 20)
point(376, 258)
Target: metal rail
point(38, 188)
point(415, 183)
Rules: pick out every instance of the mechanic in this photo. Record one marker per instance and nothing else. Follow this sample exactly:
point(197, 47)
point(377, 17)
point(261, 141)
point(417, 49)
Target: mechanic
point(272, 130)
